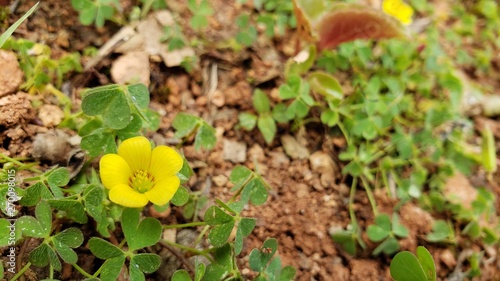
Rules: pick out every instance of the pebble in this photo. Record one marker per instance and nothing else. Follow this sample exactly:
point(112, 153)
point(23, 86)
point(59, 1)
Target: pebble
point(11, 75)
point(256, 153)
point(234, 151)
point(278, 159)
point(220, 180)
point(293, 148)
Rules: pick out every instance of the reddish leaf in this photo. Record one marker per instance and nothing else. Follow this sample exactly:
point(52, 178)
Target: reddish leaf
point(331, 25)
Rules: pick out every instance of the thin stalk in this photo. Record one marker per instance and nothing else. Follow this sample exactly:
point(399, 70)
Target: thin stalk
point(369, 193)
point(82, 272)
point(19, 163)
point(21, 272)
point(189, 249)
point(351, 202)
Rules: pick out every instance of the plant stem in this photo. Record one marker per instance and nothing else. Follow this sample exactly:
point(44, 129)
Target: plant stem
point(21, 272)
point(190, 224)
point(351, 202)
point(82, 272)
point(189, 249)
point(369, 193)
point(22, 165)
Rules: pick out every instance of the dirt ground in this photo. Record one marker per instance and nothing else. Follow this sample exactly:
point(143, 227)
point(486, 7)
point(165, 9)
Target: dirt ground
point(309, 196)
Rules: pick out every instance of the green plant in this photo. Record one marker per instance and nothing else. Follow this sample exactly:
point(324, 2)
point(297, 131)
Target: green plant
point(201, 10)
point(388, 231)
point(407, 267)
point(188, 125)
point(95, 11)
point(11, 29)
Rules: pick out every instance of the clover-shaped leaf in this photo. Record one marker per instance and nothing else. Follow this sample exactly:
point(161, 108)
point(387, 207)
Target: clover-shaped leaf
point(65, 240)
point(103, 249)
point(34, 193)
point(223, 225)
point(39, 227)
point(140, 234)
point(73, 209)
point(259, 258)
point(43, 255)
point(147, 263)
point(110, 102)
point(245, 227)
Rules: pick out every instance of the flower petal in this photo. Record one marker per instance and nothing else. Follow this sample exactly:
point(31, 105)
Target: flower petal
point(137, 152)
point(124, 195)
point(163, 191)
point(165, 162)
point(114, 170)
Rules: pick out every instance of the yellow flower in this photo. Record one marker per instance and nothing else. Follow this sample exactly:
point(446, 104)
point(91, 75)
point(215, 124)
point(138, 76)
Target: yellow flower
point(137, 174)
point(398, 9)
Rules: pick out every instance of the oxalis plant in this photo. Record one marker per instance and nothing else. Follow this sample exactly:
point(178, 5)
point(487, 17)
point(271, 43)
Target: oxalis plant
point(133, 173)
point(400, 129)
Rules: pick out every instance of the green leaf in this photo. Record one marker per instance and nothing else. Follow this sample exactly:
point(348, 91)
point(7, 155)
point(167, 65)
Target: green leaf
point(280, 113)
point(110, 102)
point(140, 235)
point(293, 67)
point(427, 263)
point(247, 120)
point(103, 249)
point(65, 252)
point(398, 229)
point(376, 233)
point(205, 138)
point(288, 273)
point(10, 30)
point(139, 95)
point(325, 85)
point(255, 191)
point(147, 263)
point(73, 208)
point(90, 127)
point(72, 237)
point(406, 267)
point(488, 150)
point(30, 227)
point(181, 275)
point(330, 117)
point(184, 124)
point(58, 178)
point(43, 255)
point(239, 174)
point(215, 216)
point(98, 143)
point(267, 127)
point(388, 247)
point(34, 193)
point(111, 268)
point(219, 234)
point(347, 239)
point(245, 227)
point(261, 102)
point(181, 197)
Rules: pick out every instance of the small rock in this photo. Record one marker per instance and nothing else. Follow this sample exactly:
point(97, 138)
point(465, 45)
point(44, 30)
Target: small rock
point(293, 148)
point(279, 159)
point(220, 180)
point(448, 258)
point(321, 162)
point(218, 98)
point(156, 214)
point(302, 190)
point(458, 190)
point(15, 109)
point(170, 234)
point(256, 153)
point(50, 115)
point(131, 68)
point(234, 151)
point(11, 75)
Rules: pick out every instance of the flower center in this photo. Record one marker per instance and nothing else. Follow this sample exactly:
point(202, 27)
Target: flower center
point(141, 181)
